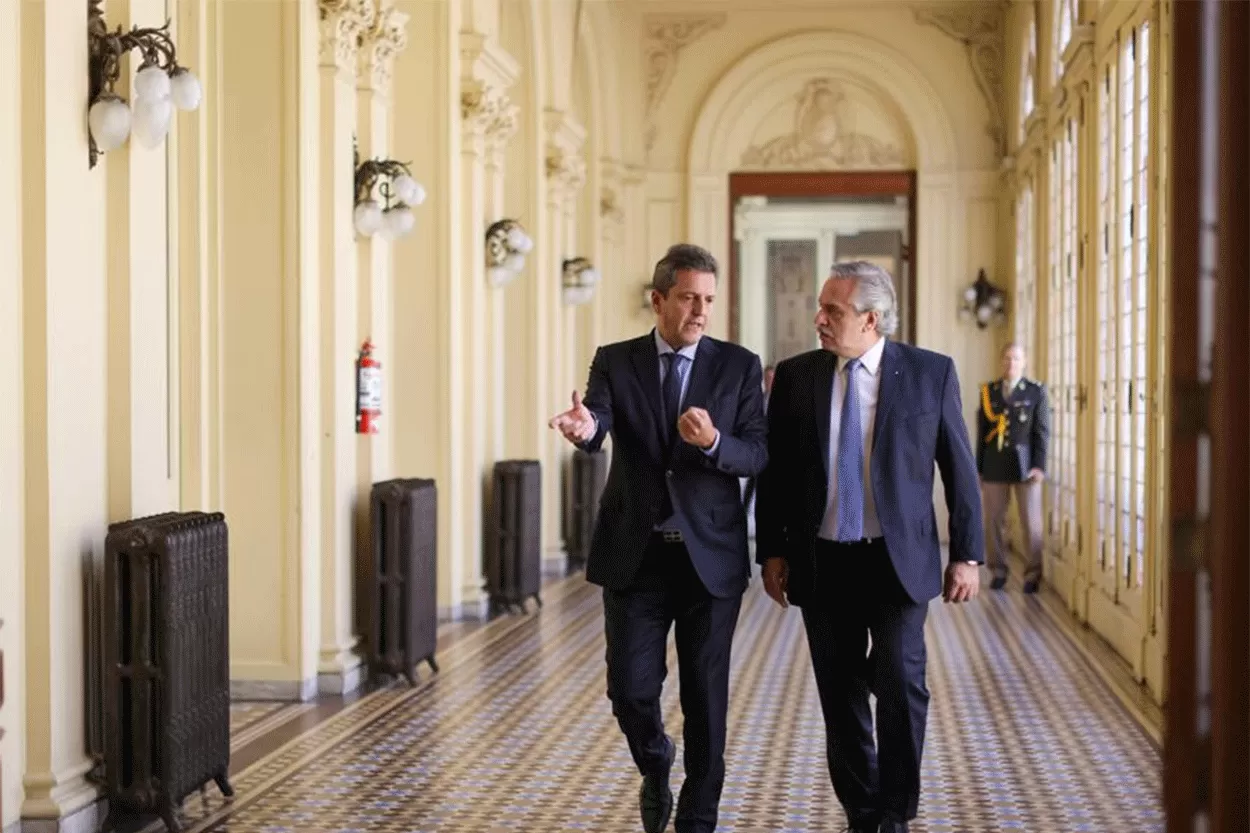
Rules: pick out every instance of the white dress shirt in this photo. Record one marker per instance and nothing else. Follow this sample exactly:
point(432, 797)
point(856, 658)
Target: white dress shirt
point(868, 378)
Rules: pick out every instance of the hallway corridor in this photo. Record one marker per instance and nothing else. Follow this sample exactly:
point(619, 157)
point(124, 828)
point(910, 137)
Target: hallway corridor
point(515, 734)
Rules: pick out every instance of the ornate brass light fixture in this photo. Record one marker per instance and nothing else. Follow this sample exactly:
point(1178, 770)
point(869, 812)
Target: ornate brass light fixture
point(983, 302)
point(506, 247)
point(579, 281)
point(159, 86)
point(393, 181)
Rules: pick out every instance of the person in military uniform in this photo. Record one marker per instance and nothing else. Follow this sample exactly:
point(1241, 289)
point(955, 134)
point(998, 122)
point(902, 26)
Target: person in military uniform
point(1013, 430)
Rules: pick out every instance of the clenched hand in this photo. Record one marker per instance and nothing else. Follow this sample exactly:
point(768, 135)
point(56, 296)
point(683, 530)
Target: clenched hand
point(577, 424)
point(696, 428)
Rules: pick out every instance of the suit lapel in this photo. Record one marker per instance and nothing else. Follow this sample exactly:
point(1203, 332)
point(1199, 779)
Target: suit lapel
point(647, 366)
point(824, 405)
point(888, 390)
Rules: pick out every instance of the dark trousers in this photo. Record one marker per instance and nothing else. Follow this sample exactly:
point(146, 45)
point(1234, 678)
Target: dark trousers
point(667, 591)
point(856, 593)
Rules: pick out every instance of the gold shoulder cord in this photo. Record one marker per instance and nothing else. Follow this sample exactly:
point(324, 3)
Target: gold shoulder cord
point(999, 421)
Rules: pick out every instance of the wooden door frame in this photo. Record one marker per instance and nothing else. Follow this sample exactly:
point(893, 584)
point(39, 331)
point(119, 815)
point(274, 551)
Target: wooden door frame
point(823, 184)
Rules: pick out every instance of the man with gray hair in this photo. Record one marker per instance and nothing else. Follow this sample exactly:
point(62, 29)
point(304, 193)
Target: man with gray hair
point(846, 530)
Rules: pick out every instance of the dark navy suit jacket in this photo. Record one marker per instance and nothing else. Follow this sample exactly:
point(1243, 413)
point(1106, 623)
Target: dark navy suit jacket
point(919, 422)
point(624, 395)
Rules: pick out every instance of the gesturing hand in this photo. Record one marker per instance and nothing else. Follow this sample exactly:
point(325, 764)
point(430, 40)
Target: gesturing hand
point(962, 582)
point(577, 424)
point(696, 428)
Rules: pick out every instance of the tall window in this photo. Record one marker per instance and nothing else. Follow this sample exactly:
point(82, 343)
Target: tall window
point(1124, 303)
point(1064, 18)
point(1071, 267)
point(1061, 330)
point(1026, 271)
point(1105, 389)
point(1162, 278)
point(1028, 76)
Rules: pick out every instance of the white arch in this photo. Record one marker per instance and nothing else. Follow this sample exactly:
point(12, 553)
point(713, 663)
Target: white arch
point(724, 123)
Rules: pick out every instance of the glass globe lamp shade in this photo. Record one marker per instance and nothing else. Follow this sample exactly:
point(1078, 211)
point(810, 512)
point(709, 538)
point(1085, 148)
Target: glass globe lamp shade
point(970, 294)
point(519, 241)
point(515, 263)
point(397, 222)
point(109, 120)
point(590, 277)
point(185, 89)
point(152, 117)
point(152, 82)
point(409, 190)
point(983, 313)
point(368, 218)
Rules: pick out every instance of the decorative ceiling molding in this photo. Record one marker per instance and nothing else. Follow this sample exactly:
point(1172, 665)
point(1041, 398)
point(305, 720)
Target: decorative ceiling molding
point(824, 136)
point(981, 28)
point(665, 36)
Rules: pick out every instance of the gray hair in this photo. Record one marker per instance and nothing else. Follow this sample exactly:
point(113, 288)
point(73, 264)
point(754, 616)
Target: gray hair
point(681, 257)
point(874, 292)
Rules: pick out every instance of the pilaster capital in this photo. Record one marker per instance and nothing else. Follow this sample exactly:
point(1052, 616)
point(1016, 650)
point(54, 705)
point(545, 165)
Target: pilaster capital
point(566, 169)
point(342, 24)
point(380, 43)
point(488, 115)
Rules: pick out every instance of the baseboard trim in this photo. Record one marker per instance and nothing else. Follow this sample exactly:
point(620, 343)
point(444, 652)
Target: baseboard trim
point(341, 682)
point(298, 691)
point(85, 819)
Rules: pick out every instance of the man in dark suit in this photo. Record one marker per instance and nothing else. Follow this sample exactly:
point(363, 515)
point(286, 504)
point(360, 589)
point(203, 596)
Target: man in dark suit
point(1013, 432)
point(686, 415)
point(846, 530)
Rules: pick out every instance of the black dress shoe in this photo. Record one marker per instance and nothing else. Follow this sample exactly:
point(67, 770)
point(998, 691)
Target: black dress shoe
point(655, 797)
point(998, 583)
point(1030, 586)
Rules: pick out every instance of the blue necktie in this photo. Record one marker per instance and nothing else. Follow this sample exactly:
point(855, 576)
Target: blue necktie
point(850, 463)
point(672, 393)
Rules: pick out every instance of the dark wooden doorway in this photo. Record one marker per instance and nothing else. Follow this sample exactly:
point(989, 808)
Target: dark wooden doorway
point(823, 185)
point(1207, 712)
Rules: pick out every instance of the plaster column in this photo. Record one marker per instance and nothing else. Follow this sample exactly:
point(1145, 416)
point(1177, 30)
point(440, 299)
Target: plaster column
point(343, 23)
point(487, 72)
point(566, 174)
point(503, 326)
point(379, 45)
point(64, 358)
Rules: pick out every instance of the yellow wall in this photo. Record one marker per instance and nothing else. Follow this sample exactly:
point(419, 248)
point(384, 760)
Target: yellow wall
point(178, 326)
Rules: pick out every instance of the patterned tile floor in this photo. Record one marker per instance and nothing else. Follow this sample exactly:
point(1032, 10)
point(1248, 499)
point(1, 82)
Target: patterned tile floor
point(515, 734)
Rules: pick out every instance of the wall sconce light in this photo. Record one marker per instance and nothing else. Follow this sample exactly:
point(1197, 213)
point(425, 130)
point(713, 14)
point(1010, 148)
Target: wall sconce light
point(506, 247)
point(984, 303)
point(159, 85)
point(580, 278)
point(393, 181)
point(646, 296)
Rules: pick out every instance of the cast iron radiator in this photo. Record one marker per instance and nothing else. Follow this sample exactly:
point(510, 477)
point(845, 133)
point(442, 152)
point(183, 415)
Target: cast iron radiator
point(514, 542)
point(589, 474)
point(401, 601)
point(166, 668)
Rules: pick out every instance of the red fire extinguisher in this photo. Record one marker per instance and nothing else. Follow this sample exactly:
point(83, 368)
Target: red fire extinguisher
point(368, 390)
